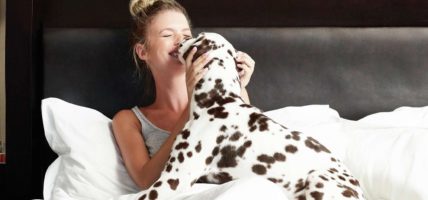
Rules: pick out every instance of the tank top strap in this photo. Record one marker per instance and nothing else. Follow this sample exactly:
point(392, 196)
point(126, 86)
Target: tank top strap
point(145, 123)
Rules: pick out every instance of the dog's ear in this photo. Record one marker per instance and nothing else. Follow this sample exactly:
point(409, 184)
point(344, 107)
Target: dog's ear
point(202, 48)
point(202, 45)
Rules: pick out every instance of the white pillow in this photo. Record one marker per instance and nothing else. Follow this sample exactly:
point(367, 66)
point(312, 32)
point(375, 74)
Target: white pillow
point(89, 165)
point(390, 162)
point(400, 117)
point(319, 121)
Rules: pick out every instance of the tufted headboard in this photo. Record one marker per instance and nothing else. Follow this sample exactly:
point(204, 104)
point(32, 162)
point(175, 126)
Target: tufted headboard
point(357, 71)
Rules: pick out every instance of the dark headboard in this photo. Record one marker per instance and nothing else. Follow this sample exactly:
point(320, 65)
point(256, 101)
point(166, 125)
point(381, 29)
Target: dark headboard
point(357, 71)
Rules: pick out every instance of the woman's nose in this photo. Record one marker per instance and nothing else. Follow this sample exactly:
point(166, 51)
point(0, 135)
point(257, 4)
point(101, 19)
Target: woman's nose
point(178, 39)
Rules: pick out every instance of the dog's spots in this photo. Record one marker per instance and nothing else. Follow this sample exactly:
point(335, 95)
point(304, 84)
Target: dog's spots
point(189, 154)
point(245, 106)
point(349, 192)
point(274, 180)
point(259, 169)
point(315, 145)
point(195, 115)
point(215, 95)
point(354, 182)
point(218, 112)
point(243, 148)
point(185, 134)
point(228, 157)
point(279, 157)
point(143, 197)
point(203, 179)
point(230, 52)
point(219, 87)
point(198, 147)
point(295, 135)
point(291, 148)
point(317, 195)
point(220, 139)
point(258, 119)
point(323, 177)
point(235, 136)
point(223, 128)
point(333, 170)
point(300, 185)
point(157, 184)
point(215, 151)
point(319, 185)
point(222, 177)
point(301, 197)
point(168, 168)
point(180, 157)
point(266, 159)
point(173, 183)
point(208, 160)
point(181, 145)
point(153, 194)
point(198, 85)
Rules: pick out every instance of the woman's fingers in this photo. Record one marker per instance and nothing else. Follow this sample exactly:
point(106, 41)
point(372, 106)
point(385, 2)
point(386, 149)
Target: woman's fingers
point(245, 59)
point(201, 61)
point(246, 63)
point(195, 70)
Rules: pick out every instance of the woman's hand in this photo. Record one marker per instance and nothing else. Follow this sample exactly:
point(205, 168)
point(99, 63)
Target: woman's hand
point(195, 70)
point(247, 64)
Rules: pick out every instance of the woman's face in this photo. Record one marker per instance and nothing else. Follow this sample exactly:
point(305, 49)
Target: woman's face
point(164, 33)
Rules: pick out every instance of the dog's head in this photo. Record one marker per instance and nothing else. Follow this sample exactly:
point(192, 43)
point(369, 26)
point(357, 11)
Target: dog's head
point(221, 49)
point(221, 82)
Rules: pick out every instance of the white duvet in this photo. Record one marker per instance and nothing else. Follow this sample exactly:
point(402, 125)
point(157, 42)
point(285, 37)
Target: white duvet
point(386, 151)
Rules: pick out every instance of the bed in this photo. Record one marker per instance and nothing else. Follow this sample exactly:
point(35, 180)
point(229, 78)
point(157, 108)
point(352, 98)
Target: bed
point(362, 91)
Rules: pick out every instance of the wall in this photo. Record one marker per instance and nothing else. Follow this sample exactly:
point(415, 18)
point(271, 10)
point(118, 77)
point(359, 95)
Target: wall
point(2, 76)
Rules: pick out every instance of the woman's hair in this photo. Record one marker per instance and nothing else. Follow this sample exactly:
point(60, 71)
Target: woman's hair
point(143, 12)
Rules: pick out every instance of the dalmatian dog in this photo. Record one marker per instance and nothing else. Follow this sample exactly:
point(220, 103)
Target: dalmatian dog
point(227, 139)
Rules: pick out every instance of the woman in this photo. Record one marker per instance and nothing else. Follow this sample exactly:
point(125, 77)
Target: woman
point(145, 135)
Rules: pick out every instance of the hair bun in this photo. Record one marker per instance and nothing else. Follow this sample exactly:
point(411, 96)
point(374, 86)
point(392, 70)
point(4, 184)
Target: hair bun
point(138, 7)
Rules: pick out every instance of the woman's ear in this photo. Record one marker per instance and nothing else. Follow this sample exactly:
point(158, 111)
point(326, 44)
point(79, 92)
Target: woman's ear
point(141, 51)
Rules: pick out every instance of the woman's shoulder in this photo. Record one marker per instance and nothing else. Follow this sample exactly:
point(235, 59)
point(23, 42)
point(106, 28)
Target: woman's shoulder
point(125, 117)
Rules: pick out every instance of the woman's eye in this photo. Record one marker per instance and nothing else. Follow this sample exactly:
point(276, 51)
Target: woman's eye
point(166, 35)
point(187, 37)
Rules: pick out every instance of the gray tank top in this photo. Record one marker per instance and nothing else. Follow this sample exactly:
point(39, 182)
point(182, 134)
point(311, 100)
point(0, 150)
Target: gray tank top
point(153, 136)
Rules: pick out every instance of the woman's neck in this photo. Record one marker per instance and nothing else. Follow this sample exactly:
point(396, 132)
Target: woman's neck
point(171, 93)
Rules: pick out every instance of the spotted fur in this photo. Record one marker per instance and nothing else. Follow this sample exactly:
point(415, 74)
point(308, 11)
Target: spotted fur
point(226, 139)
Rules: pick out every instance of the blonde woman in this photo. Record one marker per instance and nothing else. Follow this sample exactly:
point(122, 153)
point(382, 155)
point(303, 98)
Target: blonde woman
point(145, 134)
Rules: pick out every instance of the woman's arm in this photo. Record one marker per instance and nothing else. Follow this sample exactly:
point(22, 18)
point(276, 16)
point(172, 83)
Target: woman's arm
point(143, 169)
point(244, 96)
point(126, 127)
